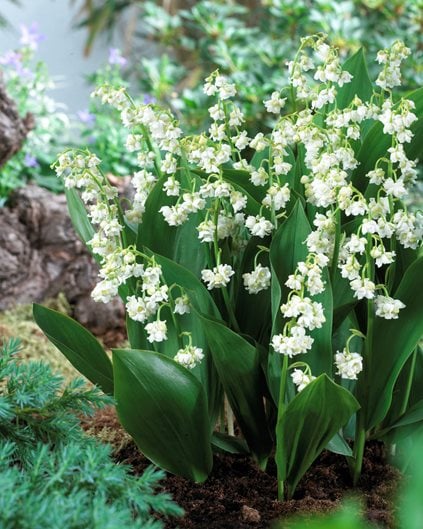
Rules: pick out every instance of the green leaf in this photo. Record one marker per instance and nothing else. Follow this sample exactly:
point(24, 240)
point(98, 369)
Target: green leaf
point(238, 365)
point(164, 408)
point(393, 343)
point(78, 215)
point(338, 445)
point(249, 305)
point(287, 249)
point(201, 301)
point(360, 84)
point(307, 425)
point(181, 244)
point(376, 143)
point(412, 416)
point(242, 179)
point(79, 346)
point(411, 509)
point(227, 443)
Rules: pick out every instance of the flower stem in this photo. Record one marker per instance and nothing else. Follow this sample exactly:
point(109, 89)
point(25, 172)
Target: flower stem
point(336, 246)
point(230, 310)
point(281, 411)
point(360, 441)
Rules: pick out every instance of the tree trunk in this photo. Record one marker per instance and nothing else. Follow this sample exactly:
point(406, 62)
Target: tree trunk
point(13, 128)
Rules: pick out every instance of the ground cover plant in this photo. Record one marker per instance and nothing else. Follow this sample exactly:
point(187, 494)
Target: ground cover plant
point(51, 474)
point(273, 275)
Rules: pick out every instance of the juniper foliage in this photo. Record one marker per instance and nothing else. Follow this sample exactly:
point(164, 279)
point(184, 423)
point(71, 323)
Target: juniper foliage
point(51, 474)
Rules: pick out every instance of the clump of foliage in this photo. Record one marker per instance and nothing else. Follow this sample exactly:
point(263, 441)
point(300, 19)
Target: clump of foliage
point(28, 83)
point(249, 42)
point(278, 269)
point(51, 474)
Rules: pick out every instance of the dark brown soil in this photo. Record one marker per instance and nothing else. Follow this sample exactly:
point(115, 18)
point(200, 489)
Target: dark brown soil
point(238, 495)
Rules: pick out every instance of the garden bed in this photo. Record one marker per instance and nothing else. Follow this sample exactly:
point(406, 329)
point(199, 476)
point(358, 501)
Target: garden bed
point(239, 495)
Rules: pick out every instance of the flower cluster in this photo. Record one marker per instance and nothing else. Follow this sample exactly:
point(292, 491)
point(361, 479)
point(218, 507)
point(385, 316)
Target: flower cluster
point(204, 181)
point(301, 378)
point(301, 312)
point(330, 162)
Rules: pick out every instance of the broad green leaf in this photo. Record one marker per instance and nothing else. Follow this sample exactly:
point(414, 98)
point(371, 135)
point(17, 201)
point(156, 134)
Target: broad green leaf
point(412, 416)
point(79, 346)
point(360, 84)
point(411, 508)
point(78, 215)
point(393, 342)
point(202, 302)
point(404, 395)
point(238, 365)
point(164, 408)
point(181, 244)
point(287, 249)
point(343, 299)
point(338, 445)
point(242, 179)
point(307, 425)
point(376, 143)
point(227, 443)
point(248, 306)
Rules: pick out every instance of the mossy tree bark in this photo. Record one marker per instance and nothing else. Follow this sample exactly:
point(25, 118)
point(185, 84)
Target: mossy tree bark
point(13, 128)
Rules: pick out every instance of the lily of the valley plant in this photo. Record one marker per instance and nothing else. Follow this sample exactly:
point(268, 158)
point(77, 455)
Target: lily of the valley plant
point(277, 273)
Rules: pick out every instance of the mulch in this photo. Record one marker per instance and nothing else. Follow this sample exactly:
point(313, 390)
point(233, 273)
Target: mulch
point(238, 495)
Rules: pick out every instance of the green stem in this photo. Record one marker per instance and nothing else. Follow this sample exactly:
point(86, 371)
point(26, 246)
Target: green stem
point(360, 434)
point(281, 410)
point(360, 441)
point(336, 246)
point(230, 310)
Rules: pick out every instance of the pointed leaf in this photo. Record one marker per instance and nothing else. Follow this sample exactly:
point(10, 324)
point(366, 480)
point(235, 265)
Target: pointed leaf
point(79, 346)
point(164, 408)
point(393, 343)
point(78, 215)
point(238, 365)
point(307, 425)
point(287, 249)
point(376, 143)
point(360, 84)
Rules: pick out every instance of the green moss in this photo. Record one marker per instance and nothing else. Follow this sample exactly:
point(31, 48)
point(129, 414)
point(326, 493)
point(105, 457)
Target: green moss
point(18, 321)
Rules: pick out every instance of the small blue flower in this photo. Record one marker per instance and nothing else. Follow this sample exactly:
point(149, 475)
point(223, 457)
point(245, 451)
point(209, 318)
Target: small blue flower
point(31, 161)
point(116, 58)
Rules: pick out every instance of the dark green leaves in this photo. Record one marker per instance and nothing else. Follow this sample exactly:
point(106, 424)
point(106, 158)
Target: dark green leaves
point(287, 249)
point(360, 84)
point(179, 244)
point(306, 426)
point(376, 143)
point(164, 408)
point(238, 365)
point(79, 216)
point(79, 346)
point(393, 342)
